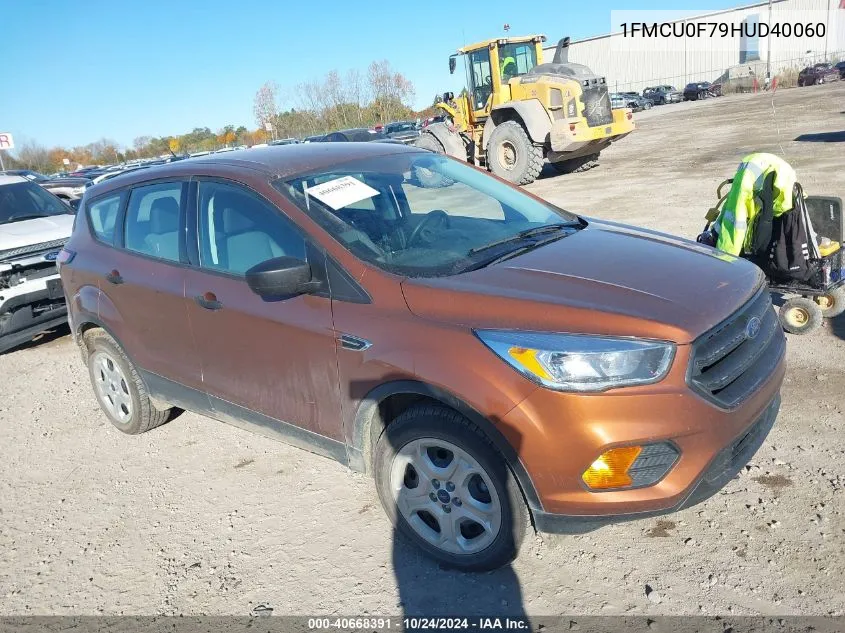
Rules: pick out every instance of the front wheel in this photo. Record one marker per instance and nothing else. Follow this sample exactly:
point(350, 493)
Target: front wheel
point(511, 154)
point(448, 490)
point(430, 178)
point(800, 315)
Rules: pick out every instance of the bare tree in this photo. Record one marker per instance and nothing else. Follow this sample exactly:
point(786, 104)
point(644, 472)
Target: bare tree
point(34, 156)
point(356, 93)
point(264, 106)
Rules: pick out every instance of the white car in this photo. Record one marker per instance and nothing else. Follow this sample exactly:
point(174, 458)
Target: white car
point(34, 225)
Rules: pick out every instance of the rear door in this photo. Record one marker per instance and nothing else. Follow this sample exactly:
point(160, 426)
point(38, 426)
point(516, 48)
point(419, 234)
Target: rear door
point(142, 279)
point(274, 358)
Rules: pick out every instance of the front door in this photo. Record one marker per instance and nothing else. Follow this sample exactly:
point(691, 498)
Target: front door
point(274, 358)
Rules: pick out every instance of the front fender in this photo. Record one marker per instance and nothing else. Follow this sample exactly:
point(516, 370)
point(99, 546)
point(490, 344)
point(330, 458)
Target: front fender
point(534, 117)
point(367, 428)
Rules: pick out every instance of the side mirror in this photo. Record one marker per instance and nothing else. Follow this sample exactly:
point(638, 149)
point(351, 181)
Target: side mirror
point(281, 277)
point(74, 204)
point(452, 64)
point(448, 96)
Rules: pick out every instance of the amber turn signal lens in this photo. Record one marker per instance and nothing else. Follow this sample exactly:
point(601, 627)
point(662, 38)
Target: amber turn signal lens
point(610, 470)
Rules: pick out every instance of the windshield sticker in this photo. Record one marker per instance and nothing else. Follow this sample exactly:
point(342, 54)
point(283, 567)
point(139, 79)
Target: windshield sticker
point(341, 192)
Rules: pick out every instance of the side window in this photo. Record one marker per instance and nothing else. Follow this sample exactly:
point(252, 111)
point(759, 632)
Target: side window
point(238, 229)
point(102, 215)
point(153, 219)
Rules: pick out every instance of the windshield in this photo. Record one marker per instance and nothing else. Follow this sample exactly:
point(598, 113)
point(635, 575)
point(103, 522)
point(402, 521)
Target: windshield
point(25, 201)
point(422, 214)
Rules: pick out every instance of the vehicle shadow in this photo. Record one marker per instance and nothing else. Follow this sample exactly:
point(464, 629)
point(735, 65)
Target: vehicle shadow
point(43, 338)
point(837, 326)
point(426, 588)
point(822, 137)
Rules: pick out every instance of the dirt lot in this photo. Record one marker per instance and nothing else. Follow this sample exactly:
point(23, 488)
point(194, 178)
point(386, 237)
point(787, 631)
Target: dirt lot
point(201, 518)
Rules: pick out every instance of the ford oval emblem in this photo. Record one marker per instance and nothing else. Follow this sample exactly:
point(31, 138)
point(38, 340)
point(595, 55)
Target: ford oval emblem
point(51, 257)
point(752, 328)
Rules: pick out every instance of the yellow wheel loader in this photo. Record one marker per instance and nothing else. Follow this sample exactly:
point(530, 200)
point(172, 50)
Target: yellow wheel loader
point(516, 112)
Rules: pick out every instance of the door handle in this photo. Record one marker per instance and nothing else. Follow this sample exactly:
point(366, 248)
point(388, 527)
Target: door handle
point(208, 301)
point(114, 278)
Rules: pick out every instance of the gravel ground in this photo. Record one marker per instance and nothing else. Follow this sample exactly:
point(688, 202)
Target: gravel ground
point(198, 517)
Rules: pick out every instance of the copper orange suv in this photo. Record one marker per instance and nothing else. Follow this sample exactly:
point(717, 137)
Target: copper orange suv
point(490, 359)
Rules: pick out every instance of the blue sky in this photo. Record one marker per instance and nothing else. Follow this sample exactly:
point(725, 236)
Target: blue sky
point(72, 72)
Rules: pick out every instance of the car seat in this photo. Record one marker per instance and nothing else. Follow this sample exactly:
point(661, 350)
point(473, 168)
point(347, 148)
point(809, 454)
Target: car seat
point(163, 238)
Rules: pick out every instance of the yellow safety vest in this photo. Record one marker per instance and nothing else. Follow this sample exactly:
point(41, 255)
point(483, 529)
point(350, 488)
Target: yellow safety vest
point(741, 207)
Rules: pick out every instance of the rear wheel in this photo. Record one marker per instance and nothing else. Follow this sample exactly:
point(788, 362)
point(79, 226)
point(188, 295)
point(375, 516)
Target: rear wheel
point(446, 488)
point(576, 165)
point(118, 387)
point(511, 154)
point(800, 315)
point(833, 303)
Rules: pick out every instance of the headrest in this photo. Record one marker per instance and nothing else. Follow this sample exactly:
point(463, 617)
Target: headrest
point(164, 215)
point(237, 211)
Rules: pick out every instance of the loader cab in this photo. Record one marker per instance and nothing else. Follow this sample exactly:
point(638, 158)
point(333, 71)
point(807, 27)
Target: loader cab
point(490, 65)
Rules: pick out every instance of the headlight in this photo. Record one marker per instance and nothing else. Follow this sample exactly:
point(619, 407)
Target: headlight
point(576, 362)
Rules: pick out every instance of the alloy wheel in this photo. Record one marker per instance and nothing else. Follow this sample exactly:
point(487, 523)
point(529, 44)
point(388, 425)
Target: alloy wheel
point(112, 387)
point(446, 496)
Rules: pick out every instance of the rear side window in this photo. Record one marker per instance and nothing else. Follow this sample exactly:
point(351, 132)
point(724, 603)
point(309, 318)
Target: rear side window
point(153, 218)
point(102, 216)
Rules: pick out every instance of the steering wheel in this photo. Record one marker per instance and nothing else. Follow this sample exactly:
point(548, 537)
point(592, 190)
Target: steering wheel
point(423, 231)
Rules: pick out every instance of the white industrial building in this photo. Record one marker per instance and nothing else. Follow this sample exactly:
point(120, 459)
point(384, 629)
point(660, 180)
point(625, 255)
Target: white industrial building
point(630, 64)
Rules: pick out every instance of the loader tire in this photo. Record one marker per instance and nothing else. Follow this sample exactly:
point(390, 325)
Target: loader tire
point(429, 178)
point(512, 156)
point(577, 165)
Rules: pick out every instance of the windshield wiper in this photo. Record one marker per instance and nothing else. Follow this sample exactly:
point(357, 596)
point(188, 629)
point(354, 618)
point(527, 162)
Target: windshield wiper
point(521, 236)
point(19, 218)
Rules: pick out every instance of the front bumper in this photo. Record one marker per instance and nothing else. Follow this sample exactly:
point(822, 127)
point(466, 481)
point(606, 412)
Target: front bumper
point(723, 468)
point(29, 308)
point(559, 435)
point(573, 137)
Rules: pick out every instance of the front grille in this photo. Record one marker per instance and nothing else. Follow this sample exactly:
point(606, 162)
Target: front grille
point(596, 105)
point(727, 366)
point(32, 248)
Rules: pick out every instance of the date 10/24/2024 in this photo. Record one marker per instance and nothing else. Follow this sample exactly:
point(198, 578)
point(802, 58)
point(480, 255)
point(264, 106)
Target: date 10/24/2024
point(419, 623)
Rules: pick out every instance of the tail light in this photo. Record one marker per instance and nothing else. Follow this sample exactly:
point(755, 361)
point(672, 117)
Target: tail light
point(629, 115)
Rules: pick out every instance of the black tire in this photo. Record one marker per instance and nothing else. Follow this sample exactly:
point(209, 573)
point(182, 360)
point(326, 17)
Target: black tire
point(800, 315)
point(433, 422)
point(832, 304)
point(426, 177)
point(577, 165)
point(511, 154)
point(142, 415)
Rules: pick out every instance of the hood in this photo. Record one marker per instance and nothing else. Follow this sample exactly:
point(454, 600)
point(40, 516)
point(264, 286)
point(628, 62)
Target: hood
point(605, 279)
point(35, 231)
